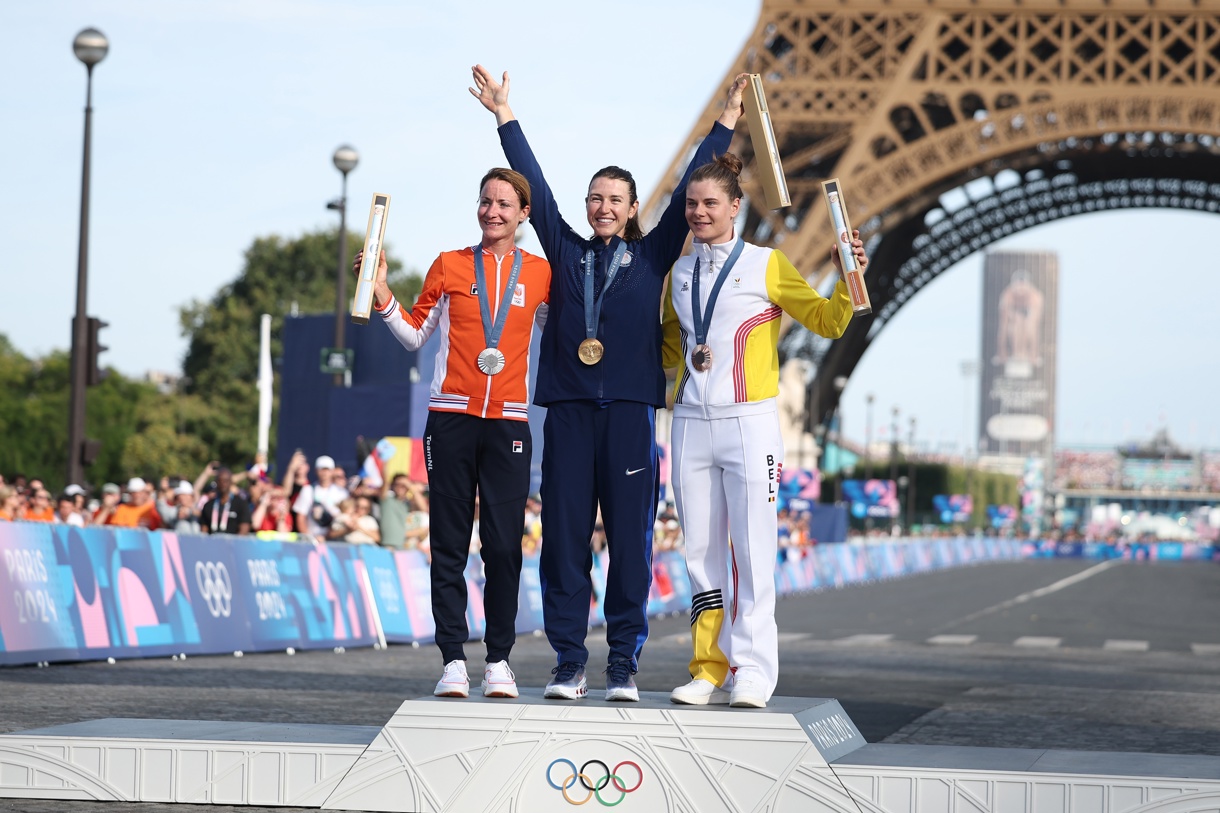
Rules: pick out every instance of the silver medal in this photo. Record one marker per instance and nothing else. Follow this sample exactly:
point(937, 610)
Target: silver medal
point(491, 361)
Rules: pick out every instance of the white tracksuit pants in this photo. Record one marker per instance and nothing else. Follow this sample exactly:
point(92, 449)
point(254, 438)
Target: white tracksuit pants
point(726, 477)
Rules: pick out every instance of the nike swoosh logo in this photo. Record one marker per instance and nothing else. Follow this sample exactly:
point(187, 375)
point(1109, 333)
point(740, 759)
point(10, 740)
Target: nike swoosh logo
point(634, 471)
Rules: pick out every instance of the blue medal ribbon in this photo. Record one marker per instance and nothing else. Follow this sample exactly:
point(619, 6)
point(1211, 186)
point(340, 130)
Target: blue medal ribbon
point(593, 308)
point(703, 319)
point(491, 333)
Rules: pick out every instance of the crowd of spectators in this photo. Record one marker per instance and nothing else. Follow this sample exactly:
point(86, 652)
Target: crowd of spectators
point(319, 503)
point(329, 507)
point(1087, 469)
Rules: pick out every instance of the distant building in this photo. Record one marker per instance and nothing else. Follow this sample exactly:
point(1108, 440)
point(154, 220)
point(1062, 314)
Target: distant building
point(166, 383)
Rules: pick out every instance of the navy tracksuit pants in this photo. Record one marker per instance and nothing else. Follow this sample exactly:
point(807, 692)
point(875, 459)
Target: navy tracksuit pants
point(598, 453)
point(464, 453)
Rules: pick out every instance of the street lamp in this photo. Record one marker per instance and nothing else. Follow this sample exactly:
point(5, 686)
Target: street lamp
point(345, 159)
point(90, 47)
point(911, 477)
point(868, 439)
point(896, 519)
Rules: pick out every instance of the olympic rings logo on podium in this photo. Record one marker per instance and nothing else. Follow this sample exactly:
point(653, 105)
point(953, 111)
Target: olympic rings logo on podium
point(593, 789)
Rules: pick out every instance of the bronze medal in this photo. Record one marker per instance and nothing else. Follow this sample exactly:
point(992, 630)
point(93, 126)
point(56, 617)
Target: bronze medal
point(701, 358)
point(591, 351)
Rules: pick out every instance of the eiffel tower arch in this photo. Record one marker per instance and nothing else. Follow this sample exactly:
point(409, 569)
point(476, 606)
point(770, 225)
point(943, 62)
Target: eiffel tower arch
point(1036, 110)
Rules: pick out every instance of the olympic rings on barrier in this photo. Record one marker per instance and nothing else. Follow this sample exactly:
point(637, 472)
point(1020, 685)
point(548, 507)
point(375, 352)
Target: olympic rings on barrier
point(594, 788)
point(215, 587)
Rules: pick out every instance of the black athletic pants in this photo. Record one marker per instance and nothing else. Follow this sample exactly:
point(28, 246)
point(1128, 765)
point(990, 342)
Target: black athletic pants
point(464, 453)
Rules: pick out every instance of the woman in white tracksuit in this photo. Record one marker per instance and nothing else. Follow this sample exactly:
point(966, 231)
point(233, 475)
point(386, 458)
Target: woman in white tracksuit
point(722, 321)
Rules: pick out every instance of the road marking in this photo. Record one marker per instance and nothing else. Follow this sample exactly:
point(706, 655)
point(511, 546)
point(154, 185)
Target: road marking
point(789, 637)
point(1037, 642)
point(1041, 591)
point(952, 640)
point(1205, 649)
point(1121, 645)
point(864, 640)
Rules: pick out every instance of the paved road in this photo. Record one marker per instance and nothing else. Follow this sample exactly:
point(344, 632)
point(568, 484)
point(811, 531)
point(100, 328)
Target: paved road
point(1009, 654)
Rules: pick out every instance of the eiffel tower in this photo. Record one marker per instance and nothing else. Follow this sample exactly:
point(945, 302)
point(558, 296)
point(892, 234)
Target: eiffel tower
point(1036, 109)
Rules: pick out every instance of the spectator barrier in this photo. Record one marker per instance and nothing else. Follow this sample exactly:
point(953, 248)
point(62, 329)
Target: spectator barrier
point(70, 593)
point(1139, 551)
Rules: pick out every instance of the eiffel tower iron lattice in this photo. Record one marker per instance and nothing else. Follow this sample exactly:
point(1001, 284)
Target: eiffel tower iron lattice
point(1036, 109)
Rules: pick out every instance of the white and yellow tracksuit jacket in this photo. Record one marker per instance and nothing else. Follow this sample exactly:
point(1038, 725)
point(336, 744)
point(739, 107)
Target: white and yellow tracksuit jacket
point(744, 331)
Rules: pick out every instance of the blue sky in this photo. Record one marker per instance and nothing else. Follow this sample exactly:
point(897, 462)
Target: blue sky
point(215, 122)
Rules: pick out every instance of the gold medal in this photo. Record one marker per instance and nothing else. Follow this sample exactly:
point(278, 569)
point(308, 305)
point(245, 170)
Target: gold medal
point(590, 351)
point(701, 357)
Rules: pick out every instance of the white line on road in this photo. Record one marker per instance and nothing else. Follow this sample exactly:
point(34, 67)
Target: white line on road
point(1037, 642)
point(1032, 594)
point(952, 640)
point(789, 637)
point(1205, 649)
point(1121, 645)
point(864, 640)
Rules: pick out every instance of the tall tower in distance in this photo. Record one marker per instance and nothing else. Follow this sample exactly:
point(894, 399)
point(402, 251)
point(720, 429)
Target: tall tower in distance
point(1017, 385)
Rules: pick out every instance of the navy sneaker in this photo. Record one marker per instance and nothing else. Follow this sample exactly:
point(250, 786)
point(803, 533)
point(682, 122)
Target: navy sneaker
point(620, 685)
point(568, 683)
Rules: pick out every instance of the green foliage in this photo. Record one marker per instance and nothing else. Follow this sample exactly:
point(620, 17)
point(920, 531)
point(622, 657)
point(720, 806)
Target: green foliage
point(147, 433)
point(34, 422)
point(221, 367)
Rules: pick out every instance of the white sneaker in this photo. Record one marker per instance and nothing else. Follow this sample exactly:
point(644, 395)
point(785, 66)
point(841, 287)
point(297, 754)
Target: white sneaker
point(453, 682)
point(699, 692)
point(748, 693)
point(499, 680)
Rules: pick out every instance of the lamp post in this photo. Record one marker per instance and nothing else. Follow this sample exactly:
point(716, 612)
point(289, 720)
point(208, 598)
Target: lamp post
point(894, 458)
point(911, 477)
point(90, 47)
point(345, 159)
point(840, 384)
point(868, 439)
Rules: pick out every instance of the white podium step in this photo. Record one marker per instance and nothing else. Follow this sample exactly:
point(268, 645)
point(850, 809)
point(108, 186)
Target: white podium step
point(134, 760)
point(942, 778)
point(527, 755)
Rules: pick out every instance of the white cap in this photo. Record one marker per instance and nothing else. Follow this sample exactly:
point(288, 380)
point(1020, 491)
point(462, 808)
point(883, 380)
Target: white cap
point(136, 484)
point(73, 490)
point(324, 462)
point(184, 487)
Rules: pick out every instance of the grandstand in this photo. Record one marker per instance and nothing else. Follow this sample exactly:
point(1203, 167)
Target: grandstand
point(1158, 478)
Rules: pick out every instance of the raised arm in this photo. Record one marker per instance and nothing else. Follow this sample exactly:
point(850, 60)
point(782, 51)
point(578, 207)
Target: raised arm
point(550, 227)
point(670, 233)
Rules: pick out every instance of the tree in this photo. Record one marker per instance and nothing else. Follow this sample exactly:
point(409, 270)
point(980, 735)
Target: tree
point(126, 416)
point(280, 276)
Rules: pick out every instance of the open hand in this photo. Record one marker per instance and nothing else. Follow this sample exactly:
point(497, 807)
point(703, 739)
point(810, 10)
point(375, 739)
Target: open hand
point(492, 94)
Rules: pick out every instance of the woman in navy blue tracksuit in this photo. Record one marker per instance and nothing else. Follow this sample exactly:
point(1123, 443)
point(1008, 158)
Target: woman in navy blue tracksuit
point(600, 378)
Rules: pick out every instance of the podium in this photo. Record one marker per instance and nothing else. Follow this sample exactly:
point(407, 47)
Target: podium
point(530, 754)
